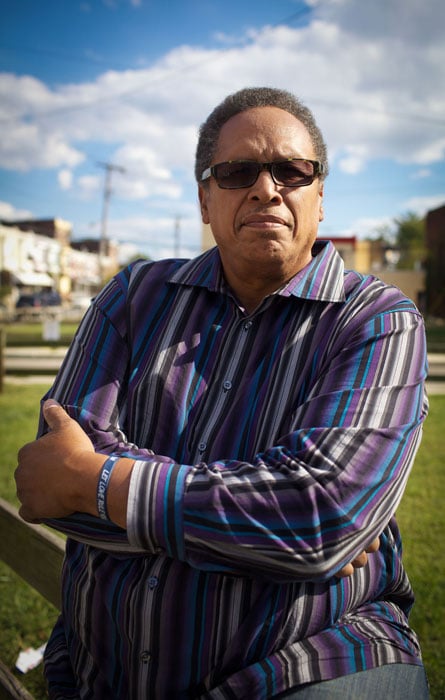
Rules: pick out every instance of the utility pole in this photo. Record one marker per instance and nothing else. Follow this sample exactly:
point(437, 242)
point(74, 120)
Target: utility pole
point(103, 243)
point(177, 235)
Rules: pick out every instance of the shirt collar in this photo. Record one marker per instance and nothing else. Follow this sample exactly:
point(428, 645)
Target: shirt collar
point(321, 280)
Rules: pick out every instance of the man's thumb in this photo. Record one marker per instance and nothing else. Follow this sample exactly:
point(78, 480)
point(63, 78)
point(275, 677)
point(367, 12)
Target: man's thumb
point(54, 414)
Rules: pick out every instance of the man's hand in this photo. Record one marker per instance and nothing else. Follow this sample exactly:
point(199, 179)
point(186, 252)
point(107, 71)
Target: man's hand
point(57, 474)
point(359, 561)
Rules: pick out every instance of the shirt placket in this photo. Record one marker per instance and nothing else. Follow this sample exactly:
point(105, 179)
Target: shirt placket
point(236, 344)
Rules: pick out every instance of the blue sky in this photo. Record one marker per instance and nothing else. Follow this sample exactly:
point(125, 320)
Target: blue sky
point(128, 82)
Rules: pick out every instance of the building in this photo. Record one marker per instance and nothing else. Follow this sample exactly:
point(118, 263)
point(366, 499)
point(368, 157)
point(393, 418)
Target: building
point(58, 229)
point(38, 255)
point(105, 252)
point(28, 262)
point(435, 241)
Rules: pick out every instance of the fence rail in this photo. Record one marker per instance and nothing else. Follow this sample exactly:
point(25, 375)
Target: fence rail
point(35, 554)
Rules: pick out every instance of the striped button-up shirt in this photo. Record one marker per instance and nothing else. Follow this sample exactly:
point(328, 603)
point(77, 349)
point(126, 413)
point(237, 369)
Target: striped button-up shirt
point(271, 448)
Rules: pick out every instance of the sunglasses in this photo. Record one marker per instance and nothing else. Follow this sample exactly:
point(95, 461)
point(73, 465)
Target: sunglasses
point(236, 174)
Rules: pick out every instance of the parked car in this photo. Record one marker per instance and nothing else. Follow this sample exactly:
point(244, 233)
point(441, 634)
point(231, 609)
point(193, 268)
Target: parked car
point(27, 301)
point(50, 298)
point(32, 306)
point(39, 299)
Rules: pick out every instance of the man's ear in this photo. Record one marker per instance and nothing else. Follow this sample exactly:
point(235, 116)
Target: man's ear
point(203, 194)
point(320, 205)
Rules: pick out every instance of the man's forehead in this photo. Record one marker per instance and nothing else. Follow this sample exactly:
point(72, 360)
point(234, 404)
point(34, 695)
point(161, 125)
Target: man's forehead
point(264, 129)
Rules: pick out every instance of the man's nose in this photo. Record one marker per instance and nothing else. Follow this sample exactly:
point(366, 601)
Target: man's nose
point(265, 189)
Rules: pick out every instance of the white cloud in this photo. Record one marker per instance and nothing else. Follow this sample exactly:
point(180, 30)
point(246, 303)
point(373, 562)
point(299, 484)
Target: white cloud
point(28, 146)
point(10, 213)
point(143, 174)
point(421, 174)
point(421, 205)
point(426, 153)
point(372, 227)
point(88, 186)
point(413, 21)
point(354, 161)
point(370, 72)
point(127, 251)
point(158, 235)
point(369, 227)
point(65, 179)
point(367, 85)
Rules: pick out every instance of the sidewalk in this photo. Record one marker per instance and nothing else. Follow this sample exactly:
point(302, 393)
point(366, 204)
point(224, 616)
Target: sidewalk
point(435, 384)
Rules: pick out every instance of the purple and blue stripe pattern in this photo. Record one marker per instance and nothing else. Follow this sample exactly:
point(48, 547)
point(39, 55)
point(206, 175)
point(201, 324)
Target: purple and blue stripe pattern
point(270, 450)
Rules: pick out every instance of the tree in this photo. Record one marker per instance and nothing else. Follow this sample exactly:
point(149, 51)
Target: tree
point(410, 241)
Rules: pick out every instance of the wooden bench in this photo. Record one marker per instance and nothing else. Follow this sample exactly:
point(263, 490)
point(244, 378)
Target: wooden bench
point(35, 554)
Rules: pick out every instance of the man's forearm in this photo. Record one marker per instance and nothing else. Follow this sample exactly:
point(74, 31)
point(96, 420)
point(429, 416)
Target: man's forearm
point(117, 495)
point(58, 474)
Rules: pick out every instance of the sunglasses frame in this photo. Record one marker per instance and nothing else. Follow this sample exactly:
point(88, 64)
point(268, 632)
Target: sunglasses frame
point(212, 170)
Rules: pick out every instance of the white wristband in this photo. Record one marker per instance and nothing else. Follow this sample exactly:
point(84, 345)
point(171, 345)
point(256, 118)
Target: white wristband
point(102, 486)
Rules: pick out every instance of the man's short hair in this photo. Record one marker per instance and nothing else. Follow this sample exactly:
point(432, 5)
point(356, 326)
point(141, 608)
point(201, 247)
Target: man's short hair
point(248, 98)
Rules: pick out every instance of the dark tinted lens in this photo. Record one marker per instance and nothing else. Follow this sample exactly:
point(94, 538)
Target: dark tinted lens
point(292, 173)
point(234, 175)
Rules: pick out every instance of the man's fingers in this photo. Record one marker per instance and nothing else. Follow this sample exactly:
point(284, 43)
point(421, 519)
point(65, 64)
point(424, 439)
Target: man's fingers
point(360, 561)
point(374, 546)
point(346, 571)
point(54, 414)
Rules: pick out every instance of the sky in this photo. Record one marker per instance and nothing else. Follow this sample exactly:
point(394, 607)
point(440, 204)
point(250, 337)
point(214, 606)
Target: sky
point(86, 83)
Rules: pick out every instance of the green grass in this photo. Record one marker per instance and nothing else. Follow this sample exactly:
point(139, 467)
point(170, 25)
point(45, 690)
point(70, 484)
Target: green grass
point(23, 334)
point(31, 334)
point(421, 518)
point(26, 620)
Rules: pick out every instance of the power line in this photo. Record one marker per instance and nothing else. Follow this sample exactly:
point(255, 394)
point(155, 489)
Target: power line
point(63, 55)
point(98, 60)
point(172, 72)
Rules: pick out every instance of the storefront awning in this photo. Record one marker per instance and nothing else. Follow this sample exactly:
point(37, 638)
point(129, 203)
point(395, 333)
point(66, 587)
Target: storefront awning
point(33, 279)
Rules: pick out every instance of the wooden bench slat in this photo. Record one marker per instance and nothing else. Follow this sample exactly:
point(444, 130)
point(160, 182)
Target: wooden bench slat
point(32, 551)
point(10, 687)
point(36, 554)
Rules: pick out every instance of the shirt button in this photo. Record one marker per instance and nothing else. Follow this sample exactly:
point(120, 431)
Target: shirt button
point(145, 656)
point(227, 385)
point(153, 582)
point(247, 325)
point(202, 446)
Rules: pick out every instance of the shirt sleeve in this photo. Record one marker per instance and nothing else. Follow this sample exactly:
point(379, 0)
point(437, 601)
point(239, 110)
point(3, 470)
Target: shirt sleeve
point(88, 386)
point(309, 504)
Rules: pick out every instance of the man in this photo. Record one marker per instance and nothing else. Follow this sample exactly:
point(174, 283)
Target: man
point(262, 409)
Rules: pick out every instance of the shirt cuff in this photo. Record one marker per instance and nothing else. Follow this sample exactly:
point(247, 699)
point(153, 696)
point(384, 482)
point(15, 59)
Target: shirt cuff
point(155, 507)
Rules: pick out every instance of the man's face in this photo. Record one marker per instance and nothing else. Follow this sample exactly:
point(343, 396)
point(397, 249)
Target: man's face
point(265, 229)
